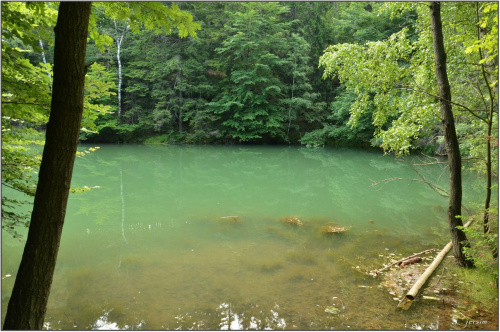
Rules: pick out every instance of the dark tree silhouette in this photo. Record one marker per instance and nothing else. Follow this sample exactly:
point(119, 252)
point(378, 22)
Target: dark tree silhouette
point(458, 237)
point(28, 302)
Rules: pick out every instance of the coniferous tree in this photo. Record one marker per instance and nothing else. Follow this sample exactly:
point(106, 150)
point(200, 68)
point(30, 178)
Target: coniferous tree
point(266, 69)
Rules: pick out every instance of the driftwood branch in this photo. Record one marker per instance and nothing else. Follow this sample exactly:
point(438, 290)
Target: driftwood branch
point(434, 187)
point(440, 191)
point(432, 163)
point(402, 260)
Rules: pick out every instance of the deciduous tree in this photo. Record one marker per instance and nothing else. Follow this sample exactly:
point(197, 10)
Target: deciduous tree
point(458, 237)
point(28, 302)
point(396, 80)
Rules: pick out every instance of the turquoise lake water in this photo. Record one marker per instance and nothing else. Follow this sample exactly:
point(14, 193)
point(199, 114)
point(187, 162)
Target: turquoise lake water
point(195, 237)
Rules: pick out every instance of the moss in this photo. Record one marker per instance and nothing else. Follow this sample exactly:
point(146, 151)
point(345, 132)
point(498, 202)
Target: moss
point(296, 273)
point(270, 265)
point(301, 257)
point(132, 262)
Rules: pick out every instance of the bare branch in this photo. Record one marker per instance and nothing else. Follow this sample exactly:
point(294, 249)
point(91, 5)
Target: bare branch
point(403, 259)
point(18, 103)
point(440, 191)
point(433, 163)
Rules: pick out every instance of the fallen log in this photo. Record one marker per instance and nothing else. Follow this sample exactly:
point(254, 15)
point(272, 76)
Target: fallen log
point(402, 260)
point(413, 260)
point(406, 301)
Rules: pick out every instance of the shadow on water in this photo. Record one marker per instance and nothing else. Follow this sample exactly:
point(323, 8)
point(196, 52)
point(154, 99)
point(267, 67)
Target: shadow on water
point(195, 238)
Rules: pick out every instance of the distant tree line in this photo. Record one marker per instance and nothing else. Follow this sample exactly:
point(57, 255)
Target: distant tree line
point(250, 75)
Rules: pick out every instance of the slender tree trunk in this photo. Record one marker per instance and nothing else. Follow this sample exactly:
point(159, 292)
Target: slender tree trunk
point(119, 41)
point(489, 123)
point(458, 237)
point(179, 81)
point(486, 226)
point(45, 61)
point(119, 92)
point(28, 302)
point(291, 100)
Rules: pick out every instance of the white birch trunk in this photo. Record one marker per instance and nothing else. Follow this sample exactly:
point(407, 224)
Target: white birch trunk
point(45, 62)
point(119, 40)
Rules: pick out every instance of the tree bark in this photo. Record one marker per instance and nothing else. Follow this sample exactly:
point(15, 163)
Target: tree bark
point(181, 100)
point(489, 123)
point(28, 302)
point(119, 41)
point(458, 237)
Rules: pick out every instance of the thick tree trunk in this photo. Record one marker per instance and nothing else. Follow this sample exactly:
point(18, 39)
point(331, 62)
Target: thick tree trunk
point(28, 302)
point(458, 237)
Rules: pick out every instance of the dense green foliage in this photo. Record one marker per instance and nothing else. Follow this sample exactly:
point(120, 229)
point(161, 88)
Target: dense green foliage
point(250, 75)
point(25, 100)
point(393, 78)
point(481, 246)
point(27, 86)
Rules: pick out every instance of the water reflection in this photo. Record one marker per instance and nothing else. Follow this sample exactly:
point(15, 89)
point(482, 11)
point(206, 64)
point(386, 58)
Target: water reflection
point(228, 318)
point(104, 322)
point(194, 238)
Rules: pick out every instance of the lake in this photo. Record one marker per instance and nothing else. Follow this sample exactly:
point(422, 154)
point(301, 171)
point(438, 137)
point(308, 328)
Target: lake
point(196, 237)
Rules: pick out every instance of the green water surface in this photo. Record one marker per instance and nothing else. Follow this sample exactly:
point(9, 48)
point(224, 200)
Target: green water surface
point(194, 237)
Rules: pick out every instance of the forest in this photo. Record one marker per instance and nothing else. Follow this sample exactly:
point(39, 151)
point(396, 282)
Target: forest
point(403, 79)
point(252, 73)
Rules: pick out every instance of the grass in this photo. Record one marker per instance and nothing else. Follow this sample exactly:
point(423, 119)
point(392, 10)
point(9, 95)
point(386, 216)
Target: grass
point(477, 287)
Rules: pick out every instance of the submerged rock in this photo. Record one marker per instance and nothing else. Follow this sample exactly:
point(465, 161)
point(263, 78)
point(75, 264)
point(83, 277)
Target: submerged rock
point(293, 220)
point(332, 310)
point(333, 228)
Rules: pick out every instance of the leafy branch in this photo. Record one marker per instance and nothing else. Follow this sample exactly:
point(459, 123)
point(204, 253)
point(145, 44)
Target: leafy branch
point(451, 102)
